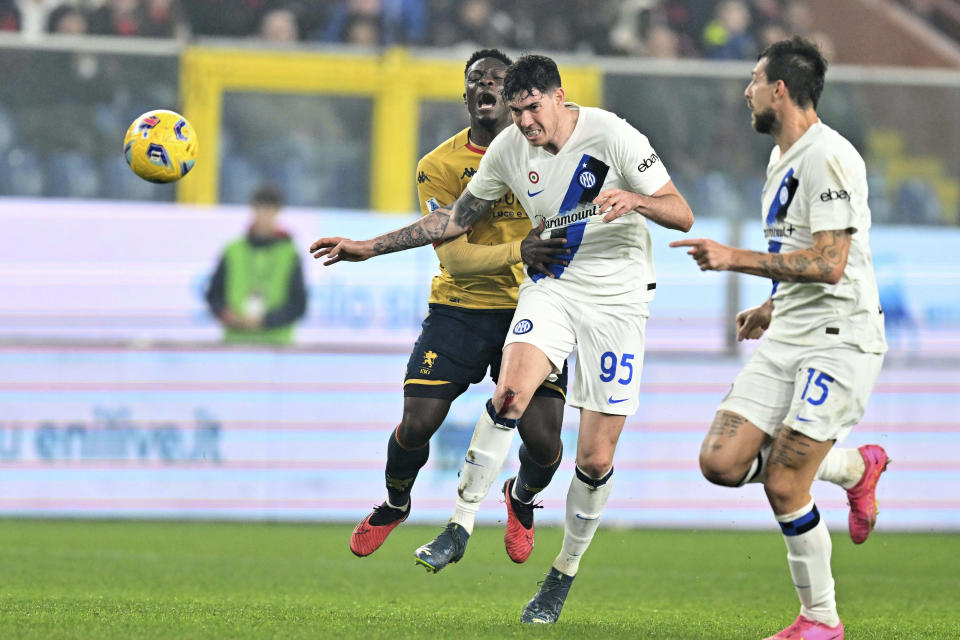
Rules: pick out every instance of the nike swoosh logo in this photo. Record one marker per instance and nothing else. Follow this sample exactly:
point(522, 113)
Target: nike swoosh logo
point(804, 419)
point(535, 193)
point(612, 401)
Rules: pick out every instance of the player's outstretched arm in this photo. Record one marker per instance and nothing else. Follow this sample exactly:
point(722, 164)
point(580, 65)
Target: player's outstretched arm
point(823, 262)
point(440, 225)
point(667, 207)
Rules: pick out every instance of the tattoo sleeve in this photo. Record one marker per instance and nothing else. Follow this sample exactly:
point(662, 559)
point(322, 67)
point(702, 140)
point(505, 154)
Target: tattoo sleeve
point(790, 449)
point(468, 208)
point(726, 426)
point(439, 225)
point(430, 228)
point(816, 264)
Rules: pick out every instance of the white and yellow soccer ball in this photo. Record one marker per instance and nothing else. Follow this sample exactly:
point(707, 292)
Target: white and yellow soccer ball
point(160, 146)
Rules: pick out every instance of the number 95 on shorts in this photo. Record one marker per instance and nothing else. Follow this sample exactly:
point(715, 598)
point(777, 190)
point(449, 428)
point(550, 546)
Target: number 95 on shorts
point(609, 339)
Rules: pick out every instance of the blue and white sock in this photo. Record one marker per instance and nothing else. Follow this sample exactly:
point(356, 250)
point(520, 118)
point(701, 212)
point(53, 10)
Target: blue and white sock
point(485, 457)
point(808, 554)
point(585, 501)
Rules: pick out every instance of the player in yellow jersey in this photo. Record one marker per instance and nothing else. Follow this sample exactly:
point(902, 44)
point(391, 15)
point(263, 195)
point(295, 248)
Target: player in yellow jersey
point(471, 307)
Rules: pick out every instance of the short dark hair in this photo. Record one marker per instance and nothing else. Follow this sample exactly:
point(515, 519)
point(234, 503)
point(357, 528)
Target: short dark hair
point(487, 53)
point(531, 73)
point(267, 195)
point(801, 66)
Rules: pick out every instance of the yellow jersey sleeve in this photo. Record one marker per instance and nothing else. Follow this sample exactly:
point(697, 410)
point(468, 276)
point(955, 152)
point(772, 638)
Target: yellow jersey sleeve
point(463, 258)
point(485, 270)
point(434, 187)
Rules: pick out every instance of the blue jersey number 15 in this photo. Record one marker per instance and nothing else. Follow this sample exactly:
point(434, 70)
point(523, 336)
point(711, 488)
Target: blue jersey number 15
point(821, 382)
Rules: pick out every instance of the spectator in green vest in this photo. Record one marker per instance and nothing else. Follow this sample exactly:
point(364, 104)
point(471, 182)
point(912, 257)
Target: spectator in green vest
point(257, 292)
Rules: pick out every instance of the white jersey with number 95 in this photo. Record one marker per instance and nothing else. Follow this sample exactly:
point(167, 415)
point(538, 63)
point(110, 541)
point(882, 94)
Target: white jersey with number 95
point(598, 301)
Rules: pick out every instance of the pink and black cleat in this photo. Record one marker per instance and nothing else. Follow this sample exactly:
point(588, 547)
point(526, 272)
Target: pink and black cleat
point(862, 497)
point(370, 533)
point(518, 536)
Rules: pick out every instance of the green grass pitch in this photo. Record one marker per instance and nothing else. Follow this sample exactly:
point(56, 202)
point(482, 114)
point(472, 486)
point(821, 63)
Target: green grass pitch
point(80, 579)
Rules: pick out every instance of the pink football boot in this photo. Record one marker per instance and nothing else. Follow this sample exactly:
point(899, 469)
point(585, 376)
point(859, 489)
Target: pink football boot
point(806, 629)
point(862, 497)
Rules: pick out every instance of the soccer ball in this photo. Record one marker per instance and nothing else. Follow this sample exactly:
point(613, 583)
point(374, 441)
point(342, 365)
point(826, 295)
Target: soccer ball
point(160, 146)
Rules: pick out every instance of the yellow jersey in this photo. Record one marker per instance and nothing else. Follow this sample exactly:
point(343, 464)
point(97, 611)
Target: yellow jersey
point(442, 175)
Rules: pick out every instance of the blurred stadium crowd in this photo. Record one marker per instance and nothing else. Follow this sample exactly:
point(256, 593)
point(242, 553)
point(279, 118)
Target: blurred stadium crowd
point(713, 29)
point(942, 15)
point(61, 105)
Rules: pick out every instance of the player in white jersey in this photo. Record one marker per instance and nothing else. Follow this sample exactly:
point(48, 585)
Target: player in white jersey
point(585, 175)
point(809, 382)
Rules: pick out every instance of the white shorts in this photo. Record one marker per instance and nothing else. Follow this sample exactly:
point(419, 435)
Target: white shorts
point(820, 392)
point(609, 339)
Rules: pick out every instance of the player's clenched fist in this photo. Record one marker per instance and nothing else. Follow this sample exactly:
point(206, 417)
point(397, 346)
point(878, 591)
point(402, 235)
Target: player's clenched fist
point(614, 203)
point(709, 254)
point(751, 323)
point(341, 250)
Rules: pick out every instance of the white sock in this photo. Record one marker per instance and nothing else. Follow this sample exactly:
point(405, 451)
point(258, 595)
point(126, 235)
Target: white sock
point(844, 467)
point(758, 468)
point(402, 507)
point(585, 500)
point(485, 457)
point(808, 554)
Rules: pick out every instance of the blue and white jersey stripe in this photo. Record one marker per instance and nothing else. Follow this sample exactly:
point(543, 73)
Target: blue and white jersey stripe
point(608, 262)
point(820, 184)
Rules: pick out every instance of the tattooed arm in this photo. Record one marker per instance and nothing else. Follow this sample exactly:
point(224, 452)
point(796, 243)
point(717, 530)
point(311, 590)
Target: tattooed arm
point(823, 262)
point(440, 225)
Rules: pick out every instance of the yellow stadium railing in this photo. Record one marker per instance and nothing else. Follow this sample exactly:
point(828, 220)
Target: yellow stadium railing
point(396, 82)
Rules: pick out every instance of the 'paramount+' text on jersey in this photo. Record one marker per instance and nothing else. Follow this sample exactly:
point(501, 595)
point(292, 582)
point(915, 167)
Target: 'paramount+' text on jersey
point(612, 262)
point(820, 184)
